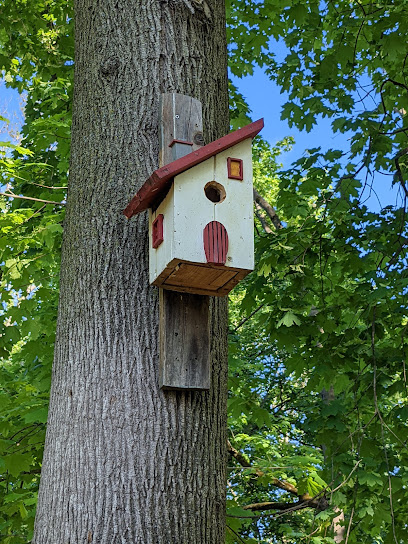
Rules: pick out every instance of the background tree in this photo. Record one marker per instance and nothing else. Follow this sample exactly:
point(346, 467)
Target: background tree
point(331, 288)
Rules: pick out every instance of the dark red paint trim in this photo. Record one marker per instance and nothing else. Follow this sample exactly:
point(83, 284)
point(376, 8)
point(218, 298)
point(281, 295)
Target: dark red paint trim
point(158, 182)
point(215, 239)
point(157, 231)
point(240, 177)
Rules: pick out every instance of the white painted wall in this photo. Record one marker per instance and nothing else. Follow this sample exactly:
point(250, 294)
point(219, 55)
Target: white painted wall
point(187, 211)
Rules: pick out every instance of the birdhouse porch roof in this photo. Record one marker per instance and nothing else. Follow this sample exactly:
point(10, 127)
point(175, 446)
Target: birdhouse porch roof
point(156, 186)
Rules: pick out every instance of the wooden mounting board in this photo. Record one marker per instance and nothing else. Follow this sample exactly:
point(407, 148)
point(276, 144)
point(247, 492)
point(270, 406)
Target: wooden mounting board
point(184, 341)
point(181, 121)
point(184, 325)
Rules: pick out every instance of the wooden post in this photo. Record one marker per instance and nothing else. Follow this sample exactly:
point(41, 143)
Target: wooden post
point(181, 126)
point(184, 326)
point(184, 341)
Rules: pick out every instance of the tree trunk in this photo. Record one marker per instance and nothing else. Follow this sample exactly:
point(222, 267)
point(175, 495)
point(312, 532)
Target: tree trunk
point(124, 461)
point(339, 529)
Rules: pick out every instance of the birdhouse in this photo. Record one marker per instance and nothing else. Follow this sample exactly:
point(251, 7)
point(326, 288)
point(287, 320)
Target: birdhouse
point(201, 216)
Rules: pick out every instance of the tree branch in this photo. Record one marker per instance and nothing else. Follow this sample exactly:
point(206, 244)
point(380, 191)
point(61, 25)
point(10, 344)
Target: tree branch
point(270, 210)
point(245, 319)
point(240, 457)
point(399, 171)
point(264, 224)
point(396, 83)
point(282, 506)
point(11, 195)
point(397, 131)
point(47, 186)
point(282, 484)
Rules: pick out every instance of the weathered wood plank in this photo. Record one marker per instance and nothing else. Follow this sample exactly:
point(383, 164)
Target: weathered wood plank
point(184, 328)
point(181, 122)
point(184, 341)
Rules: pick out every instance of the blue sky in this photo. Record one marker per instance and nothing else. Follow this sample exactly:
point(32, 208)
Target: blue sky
point(265, 100)
point(10, 107)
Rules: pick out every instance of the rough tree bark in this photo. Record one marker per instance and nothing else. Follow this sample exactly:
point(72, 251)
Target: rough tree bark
point(125, 462)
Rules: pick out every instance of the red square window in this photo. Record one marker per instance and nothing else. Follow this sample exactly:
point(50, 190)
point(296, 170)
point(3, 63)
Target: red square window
point(235, 168)
point(157, 231)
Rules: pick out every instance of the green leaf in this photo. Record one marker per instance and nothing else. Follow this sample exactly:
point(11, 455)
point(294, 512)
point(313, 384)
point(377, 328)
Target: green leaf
point(37, 415)
point(288, 320)
point(17, 463)
point(23, 511)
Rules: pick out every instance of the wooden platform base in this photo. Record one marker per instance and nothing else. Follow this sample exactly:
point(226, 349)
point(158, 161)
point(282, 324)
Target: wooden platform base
point(200, 279)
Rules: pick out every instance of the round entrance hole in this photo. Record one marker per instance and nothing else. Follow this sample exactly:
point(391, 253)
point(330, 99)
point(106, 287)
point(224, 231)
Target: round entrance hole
point(215, 192)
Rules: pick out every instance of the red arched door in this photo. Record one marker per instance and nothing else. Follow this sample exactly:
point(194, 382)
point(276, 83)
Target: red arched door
point(215, 242)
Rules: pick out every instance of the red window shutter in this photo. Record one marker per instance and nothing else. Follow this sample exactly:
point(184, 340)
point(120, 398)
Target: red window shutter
point(215, 242)
point(157, 231)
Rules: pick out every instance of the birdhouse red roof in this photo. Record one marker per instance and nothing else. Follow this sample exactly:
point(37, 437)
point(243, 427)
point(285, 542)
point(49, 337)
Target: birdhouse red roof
point(157, 185)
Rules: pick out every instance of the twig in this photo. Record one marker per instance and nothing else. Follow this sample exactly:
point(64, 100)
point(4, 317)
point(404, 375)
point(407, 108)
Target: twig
point(397, 131)
point(348, 477)
point(396, 83)
point(47, 186)
point(235, 533)
point(248, 318)
point(233, 493)
point(349, 526)
point(11, 195)
point(399, 172)
point(270, 467)
point(34, 214)
point(313, 532)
